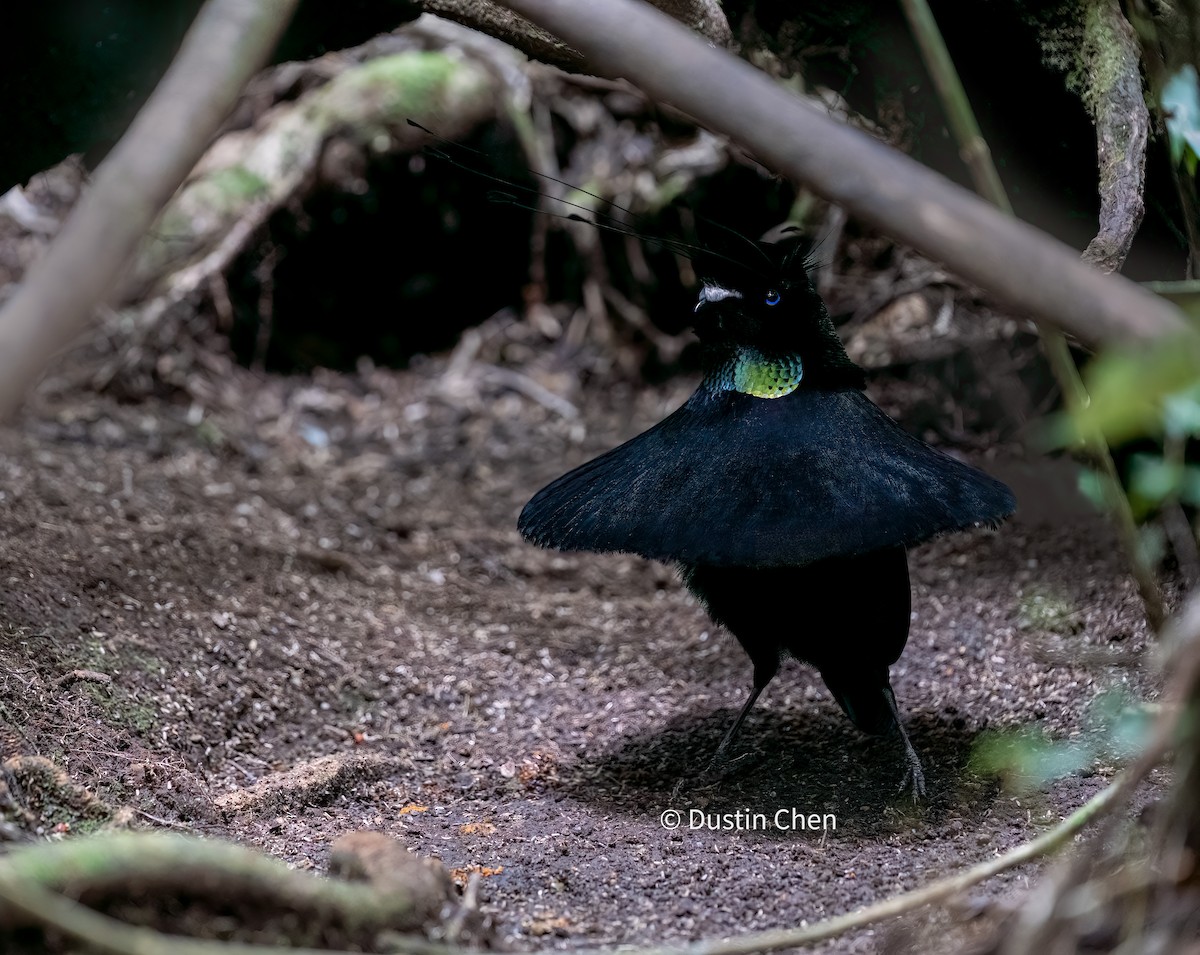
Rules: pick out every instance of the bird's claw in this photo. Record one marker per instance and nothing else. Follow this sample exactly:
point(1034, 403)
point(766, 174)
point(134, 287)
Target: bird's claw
point(914, 779)
point(914, 775)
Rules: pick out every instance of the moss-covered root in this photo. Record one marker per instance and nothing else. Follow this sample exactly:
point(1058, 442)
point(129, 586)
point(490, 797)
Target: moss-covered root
point(249, 173)
point(204, 888)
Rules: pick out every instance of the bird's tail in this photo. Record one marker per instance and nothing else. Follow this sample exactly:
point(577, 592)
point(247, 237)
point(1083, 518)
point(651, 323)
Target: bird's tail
point(865, 698)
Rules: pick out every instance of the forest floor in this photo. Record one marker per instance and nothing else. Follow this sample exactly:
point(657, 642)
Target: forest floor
point(196, 607)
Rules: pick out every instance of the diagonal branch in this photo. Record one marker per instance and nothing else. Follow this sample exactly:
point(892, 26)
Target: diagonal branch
point(1015, 261)
point(228, 42)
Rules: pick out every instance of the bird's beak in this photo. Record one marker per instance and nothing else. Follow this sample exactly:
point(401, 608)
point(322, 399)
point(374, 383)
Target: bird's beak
point(710, 294)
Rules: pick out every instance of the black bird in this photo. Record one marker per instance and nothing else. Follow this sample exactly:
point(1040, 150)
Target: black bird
point(784, 495)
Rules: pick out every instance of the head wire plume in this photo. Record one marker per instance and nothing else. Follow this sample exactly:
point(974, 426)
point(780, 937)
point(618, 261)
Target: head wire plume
point(606, 222)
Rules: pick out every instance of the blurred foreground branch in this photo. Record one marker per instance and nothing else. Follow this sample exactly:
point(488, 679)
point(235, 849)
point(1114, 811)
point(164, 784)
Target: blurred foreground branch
point(390, 890)
point(228, 42)
point(1012, 259)
point(1121, 213)
point(1146, 897)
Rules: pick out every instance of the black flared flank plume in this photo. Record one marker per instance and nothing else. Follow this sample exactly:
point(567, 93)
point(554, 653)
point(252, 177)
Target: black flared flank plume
point(786, 497)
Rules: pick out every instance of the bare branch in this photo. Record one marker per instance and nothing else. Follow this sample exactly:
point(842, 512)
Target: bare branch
point(485, 16)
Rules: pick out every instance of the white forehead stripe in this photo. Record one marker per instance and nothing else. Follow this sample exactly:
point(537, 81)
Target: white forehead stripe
point(716, 293)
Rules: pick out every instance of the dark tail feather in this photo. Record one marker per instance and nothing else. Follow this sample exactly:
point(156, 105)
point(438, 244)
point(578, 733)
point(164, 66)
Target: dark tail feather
point(871, 707)
point(863, 699)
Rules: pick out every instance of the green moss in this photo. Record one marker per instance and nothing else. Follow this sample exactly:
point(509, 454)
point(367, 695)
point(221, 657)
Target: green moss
point(1100, 58)
point(210, 434)
point(225, 190)
point(1044, 610)
point(117, 707)
point(406, 82)
point(392, 89)
point(86, 825)
point(1079, 39)
point(121, 710)
point(238, 182)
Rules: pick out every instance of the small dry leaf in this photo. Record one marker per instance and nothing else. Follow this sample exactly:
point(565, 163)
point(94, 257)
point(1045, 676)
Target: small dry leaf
point(548, 925)
point(462, 874)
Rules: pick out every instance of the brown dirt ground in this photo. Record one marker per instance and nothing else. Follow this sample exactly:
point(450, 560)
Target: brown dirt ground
point(328, 566)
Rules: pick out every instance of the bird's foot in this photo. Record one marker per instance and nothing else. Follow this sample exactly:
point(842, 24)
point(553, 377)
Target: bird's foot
point(719, 769)
point(914, 774)
point(914, 778)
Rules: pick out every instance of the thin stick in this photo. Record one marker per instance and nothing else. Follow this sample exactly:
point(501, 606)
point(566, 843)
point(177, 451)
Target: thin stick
point(972, 147)
point(898, 904)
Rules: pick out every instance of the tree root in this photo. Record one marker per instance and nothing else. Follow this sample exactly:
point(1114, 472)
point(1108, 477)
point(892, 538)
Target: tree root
point(206, 889)
point(26, 780)
point(1122, 118)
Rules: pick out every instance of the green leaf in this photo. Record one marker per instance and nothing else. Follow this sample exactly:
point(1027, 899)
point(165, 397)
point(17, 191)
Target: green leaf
point(1152, 544)
point(1152, 479)
point(1181, 107)
point(1189, 485)
point(1181, 413)
point(1129, 385)
point(1091, 486)
point(1029, 760)
point(1116, 728)
point(1118, 724)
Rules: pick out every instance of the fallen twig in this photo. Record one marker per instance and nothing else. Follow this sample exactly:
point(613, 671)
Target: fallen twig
point(937, 891)
point(85, 676)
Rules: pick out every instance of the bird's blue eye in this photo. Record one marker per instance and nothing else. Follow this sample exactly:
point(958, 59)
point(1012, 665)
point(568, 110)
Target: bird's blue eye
point(772, 297)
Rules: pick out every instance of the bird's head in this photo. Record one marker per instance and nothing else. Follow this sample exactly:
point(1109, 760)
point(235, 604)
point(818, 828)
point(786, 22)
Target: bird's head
point(758, 296)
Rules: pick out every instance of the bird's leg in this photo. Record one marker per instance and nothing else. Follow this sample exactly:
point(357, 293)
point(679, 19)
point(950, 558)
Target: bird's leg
point(711, 773)
point(762, 676)
point(914, 775)
point(731, 734)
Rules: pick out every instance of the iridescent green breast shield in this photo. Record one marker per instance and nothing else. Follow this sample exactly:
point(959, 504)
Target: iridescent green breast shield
point(751, 372)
